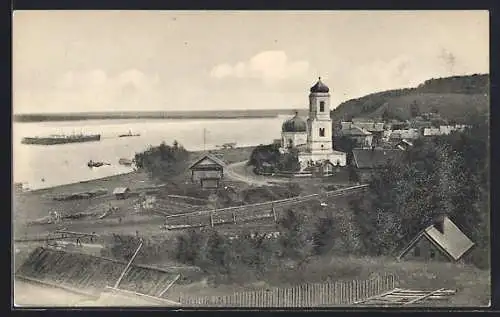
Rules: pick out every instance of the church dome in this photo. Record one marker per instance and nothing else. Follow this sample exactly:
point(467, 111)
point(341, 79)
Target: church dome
point(295, 124)
point(320, 87)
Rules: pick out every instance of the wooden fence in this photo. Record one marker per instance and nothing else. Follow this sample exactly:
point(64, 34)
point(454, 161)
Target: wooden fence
point(266, 210)
point(339, 293)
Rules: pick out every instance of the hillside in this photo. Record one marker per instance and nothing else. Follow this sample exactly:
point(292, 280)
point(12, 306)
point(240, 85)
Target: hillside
point(455, 98)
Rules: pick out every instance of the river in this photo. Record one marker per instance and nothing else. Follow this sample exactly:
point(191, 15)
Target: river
point(38, 166)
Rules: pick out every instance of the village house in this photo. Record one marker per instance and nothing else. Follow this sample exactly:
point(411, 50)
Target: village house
point(444, 130)
point(360, 137)
point(441, 241)
point(373, 127)
point(121, 192)
point(208, 171)
point(368, 161)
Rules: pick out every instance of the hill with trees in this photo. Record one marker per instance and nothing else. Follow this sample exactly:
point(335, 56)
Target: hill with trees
point(455, 98)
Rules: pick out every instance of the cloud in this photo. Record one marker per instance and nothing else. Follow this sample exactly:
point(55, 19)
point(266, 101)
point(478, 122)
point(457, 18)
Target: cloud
point(93, 90)
point(269, 66)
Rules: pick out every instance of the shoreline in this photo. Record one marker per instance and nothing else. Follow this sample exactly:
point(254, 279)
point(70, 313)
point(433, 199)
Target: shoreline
point(153, 115)
point(119, 177)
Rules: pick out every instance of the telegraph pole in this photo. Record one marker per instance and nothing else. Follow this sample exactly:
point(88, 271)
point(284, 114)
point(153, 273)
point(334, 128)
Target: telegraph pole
point(204, 139)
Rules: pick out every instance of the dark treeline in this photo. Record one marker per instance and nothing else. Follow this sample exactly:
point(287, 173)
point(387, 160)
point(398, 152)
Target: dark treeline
point(437, 94)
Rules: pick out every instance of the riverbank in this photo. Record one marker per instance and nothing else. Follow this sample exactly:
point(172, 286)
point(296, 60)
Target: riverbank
point(36, 204)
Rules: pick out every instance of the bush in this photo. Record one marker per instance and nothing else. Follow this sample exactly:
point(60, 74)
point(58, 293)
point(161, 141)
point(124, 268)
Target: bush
point(164, 161)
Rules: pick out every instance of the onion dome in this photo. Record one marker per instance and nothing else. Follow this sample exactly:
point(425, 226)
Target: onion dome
point(295, 124)
point(320, 87)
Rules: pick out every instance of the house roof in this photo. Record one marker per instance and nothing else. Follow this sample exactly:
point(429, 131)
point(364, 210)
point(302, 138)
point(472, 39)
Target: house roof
point(355, 131)
point(375, 158)
point(120, 190)
point(208, 156)
point(451, 240)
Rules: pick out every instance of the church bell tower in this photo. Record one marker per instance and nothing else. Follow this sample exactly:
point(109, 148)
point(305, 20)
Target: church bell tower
point(319, 124)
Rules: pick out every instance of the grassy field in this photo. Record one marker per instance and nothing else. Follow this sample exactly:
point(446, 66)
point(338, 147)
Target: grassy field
point(471, 284)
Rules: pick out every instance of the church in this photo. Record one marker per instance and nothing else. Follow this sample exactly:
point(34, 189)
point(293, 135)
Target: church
point(313, 137)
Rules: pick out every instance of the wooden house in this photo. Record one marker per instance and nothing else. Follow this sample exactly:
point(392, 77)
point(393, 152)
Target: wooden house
point(442, 241)
point(121, 192)
point(208, 171)
point(368, 161)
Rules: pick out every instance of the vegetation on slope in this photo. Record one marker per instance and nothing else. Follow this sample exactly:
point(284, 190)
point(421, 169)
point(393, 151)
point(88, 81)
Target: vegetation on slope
point(441, 176)
point(455, 98)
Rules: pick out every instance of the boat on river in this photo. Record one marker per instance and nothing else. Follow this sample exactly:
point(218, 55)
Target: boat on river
point(126, 162)
point(96, 164)
point(129, 134)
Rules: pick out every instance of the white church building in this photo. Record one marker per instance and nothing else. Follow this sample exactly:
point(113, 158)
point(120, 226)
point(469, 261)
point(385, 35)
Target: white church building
point(313, 137)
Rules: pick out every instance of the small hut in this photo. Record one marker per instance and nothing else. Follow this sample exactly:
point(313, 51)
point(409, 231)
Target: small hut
point(121, 192)
point(208, 171)
point(442, 240)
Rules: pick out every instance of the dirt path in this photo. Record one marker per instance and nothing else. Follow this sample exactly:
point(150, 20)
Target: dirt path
point(241, 172)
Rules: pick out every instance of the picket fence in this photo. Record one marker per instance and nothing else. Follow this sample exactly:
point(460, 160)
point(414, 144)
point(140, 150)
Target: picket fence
point(338, 293)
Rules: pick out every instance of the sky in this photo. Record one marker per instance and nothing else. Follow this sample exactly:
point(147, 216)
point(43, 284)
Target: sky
point(79, 61)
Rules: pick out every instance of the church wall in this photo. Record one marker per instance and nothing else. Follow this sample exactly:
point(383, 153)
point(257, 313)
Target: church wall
point(296, 137)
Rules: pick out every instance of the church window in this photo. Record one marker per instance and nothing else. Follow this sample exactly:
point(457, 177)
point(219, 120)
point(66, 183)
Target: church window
point(416, 251)
point(321, 106)
point(321, 131)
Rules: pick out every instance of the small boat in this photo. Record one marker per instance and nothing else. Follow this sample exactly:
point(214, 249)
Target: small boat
point(96, 164)
point(126, 162)
point(128, 134)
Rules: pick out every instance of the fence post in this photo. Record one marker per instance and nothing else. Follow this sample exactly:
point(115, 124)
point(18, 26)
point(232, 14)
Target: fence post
point(234, 217)
point(274, 211)
point(211, 219)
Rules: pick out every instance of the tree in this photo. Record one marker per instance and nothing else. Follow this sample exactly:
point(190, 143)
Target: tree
point(414, 109)
point(163, 162)
point(189, 246)
point(218, 253)
point(289, 162)
point(324, 235)
point(293, 238)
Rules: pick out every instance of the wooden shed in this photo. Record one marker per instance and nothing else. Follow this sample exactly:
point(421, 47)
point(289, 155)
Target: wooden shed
point(121, 192)
point(208, 171)
point(442, 240)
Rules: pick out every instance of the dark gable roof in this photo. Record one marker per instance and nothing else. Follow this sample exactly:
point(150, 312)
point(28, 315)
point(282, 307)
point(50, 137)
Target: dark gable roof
point(211, 157)
point(375, 158)
point(447, 237)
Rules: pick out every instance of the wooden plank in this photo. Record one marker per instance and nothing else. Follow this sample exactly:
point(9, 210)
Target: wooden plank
point(128, 266)
point(169, 285)
point(375, 297)
point(423, 297)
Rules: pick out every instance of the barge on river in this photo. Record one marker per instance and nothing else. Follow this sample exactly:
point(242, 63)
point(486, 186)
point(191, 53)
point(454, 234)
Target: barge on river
point(61, 139)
